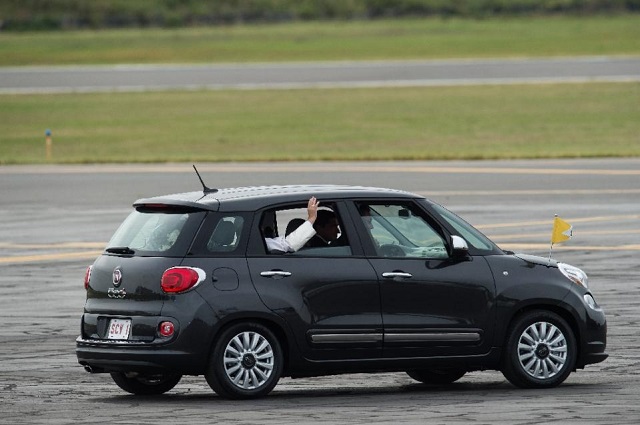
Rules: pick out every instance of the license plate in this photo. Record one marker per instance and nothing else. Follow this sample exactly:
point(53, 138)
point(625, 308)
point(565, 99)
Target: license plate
point(119, 329)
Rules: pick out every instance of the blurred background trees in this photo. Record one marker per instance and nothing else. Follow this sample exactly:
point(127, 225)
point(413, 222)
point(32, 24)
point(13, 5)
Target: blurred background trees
point(17, 15)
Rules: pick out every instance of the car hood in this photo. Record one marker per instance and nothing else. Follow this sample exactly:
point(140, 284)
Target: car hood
point(534, 259)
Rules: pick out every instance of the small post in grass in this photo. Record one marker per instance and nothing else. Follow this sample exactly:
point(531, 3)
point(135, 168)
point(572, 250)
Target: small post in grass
point(48, 144)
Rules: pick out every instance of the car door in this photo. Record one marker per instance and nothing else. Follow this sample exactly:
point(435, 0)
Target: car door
point(432, 304)
point(329, 297)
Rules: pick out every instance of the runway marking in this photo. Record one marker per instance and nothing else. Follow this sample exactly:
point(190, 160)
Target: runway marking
point(545, 246)
point(549, 222)
point(311, 168)
point(539, 192)
point(508, 170)
point(60, 245)
point(50, 257)
point(498, 237)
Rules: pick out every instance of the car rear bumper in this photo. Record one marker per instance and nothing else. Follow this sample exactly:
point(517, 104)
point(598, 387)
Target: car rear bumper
point(99, 356)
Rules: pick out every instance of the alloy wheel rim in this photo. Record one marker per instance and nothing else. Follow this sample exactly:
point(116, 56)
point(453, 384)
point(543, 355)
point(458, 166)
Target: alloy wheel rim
point(542, 350)
point(248, 360)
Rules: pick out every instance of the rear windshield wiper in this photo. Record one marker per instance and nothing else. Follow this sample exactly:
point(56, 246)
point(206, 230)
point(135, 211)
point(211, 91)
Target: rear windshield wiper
point(125, 250)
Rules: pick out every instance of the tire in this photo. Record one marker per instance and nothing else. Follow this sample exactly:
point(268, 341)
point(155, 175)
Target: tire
point(436, 376)
point(540, 350)
point(145, 384)
point(246, 362)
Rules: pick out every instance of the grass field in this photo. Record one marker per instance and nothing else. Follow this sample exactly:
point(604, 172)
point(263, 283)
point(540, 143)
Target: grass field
point(360, 40)
point(527, 121)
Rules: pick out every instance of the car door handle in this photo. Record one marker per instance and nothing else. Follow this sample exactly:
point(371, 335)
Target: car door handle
point(393, 275)
point(275, 273)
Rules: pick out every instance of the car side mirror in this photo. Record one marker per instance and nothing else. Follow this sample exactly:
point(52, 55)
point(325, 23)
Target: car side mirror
point(460, 247)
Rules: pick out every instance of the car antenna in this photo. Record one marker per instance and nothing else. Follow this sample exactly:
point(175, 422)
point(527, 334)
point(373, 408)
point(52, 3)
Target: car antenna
point(206, 190)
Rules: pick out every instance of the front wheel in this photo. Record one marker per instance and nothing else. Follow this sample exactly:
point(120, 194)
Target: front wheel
point(246, 362)
point(540, 351)
point(436, 376)
point(145, 384)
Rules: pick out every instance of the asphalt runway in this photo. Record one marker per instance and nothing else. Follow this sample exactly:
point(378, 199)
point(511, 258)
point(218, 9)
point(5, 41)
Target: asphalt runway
point(64, 79)
point(54, 220)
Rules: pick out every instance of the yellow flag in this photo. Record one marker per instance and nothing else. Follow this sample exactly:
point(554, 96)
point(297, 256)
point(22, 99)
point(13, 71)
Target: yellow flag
point(561, 230)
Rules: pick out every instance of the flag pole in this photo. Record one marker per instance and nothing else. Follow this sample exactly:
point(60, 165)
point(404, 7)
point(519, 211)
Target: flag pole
point(551, 246)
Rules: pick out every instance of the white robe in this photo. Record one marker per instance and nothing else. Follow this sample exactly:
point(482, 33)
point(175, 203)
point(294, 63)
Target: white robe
point(294, 241)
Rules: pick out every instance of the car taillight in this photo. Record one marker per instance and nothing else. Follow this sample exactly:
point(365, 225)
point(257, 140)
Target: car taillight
point(180, 279)
point(87, 277)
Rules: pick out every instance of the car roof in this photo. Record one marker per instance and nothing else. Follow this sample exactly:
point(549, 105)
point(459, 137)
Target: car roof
point(252, 198)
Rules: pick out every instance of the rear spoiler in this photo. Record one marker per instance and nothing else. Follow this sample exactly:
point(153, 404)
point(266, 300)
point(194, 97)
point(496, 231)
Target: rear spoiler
point(191, 200)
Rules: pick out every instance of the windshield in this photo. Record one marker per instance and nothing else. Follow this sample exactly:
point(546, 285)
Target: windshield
point(147, 233)
point(465, 230)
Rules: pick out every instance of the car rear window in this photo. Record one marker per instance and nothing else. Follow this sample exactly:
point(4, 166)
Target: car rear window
point(156, 232)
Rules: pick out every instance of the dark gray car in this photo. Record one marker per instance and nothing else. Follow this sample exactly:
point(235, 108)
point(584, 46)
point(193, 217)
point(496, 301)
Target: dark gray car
point(187, 286)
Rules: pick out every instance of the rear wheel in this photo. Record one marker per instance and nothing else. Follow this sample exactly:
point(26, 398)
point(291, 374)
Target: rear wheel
point(145, 384)
point(540, 351)
point(246, 362)
point(436, 376)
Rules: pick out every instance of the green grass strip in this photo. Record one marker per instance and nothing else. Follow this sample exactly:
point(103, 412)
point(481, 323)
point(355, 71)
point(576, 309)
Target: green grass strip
point(312, 41)
point(478, 122)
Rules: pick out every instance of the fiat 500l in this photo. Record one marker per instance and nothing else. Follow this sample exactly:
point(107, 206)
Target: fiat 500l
point(188, 286)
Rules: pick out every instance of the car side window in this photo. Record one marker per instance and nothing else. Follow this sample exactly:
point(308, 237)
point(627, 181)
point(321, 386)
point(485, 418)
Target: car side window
point(329, 239)
point(396, 230)
point(226, 235)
